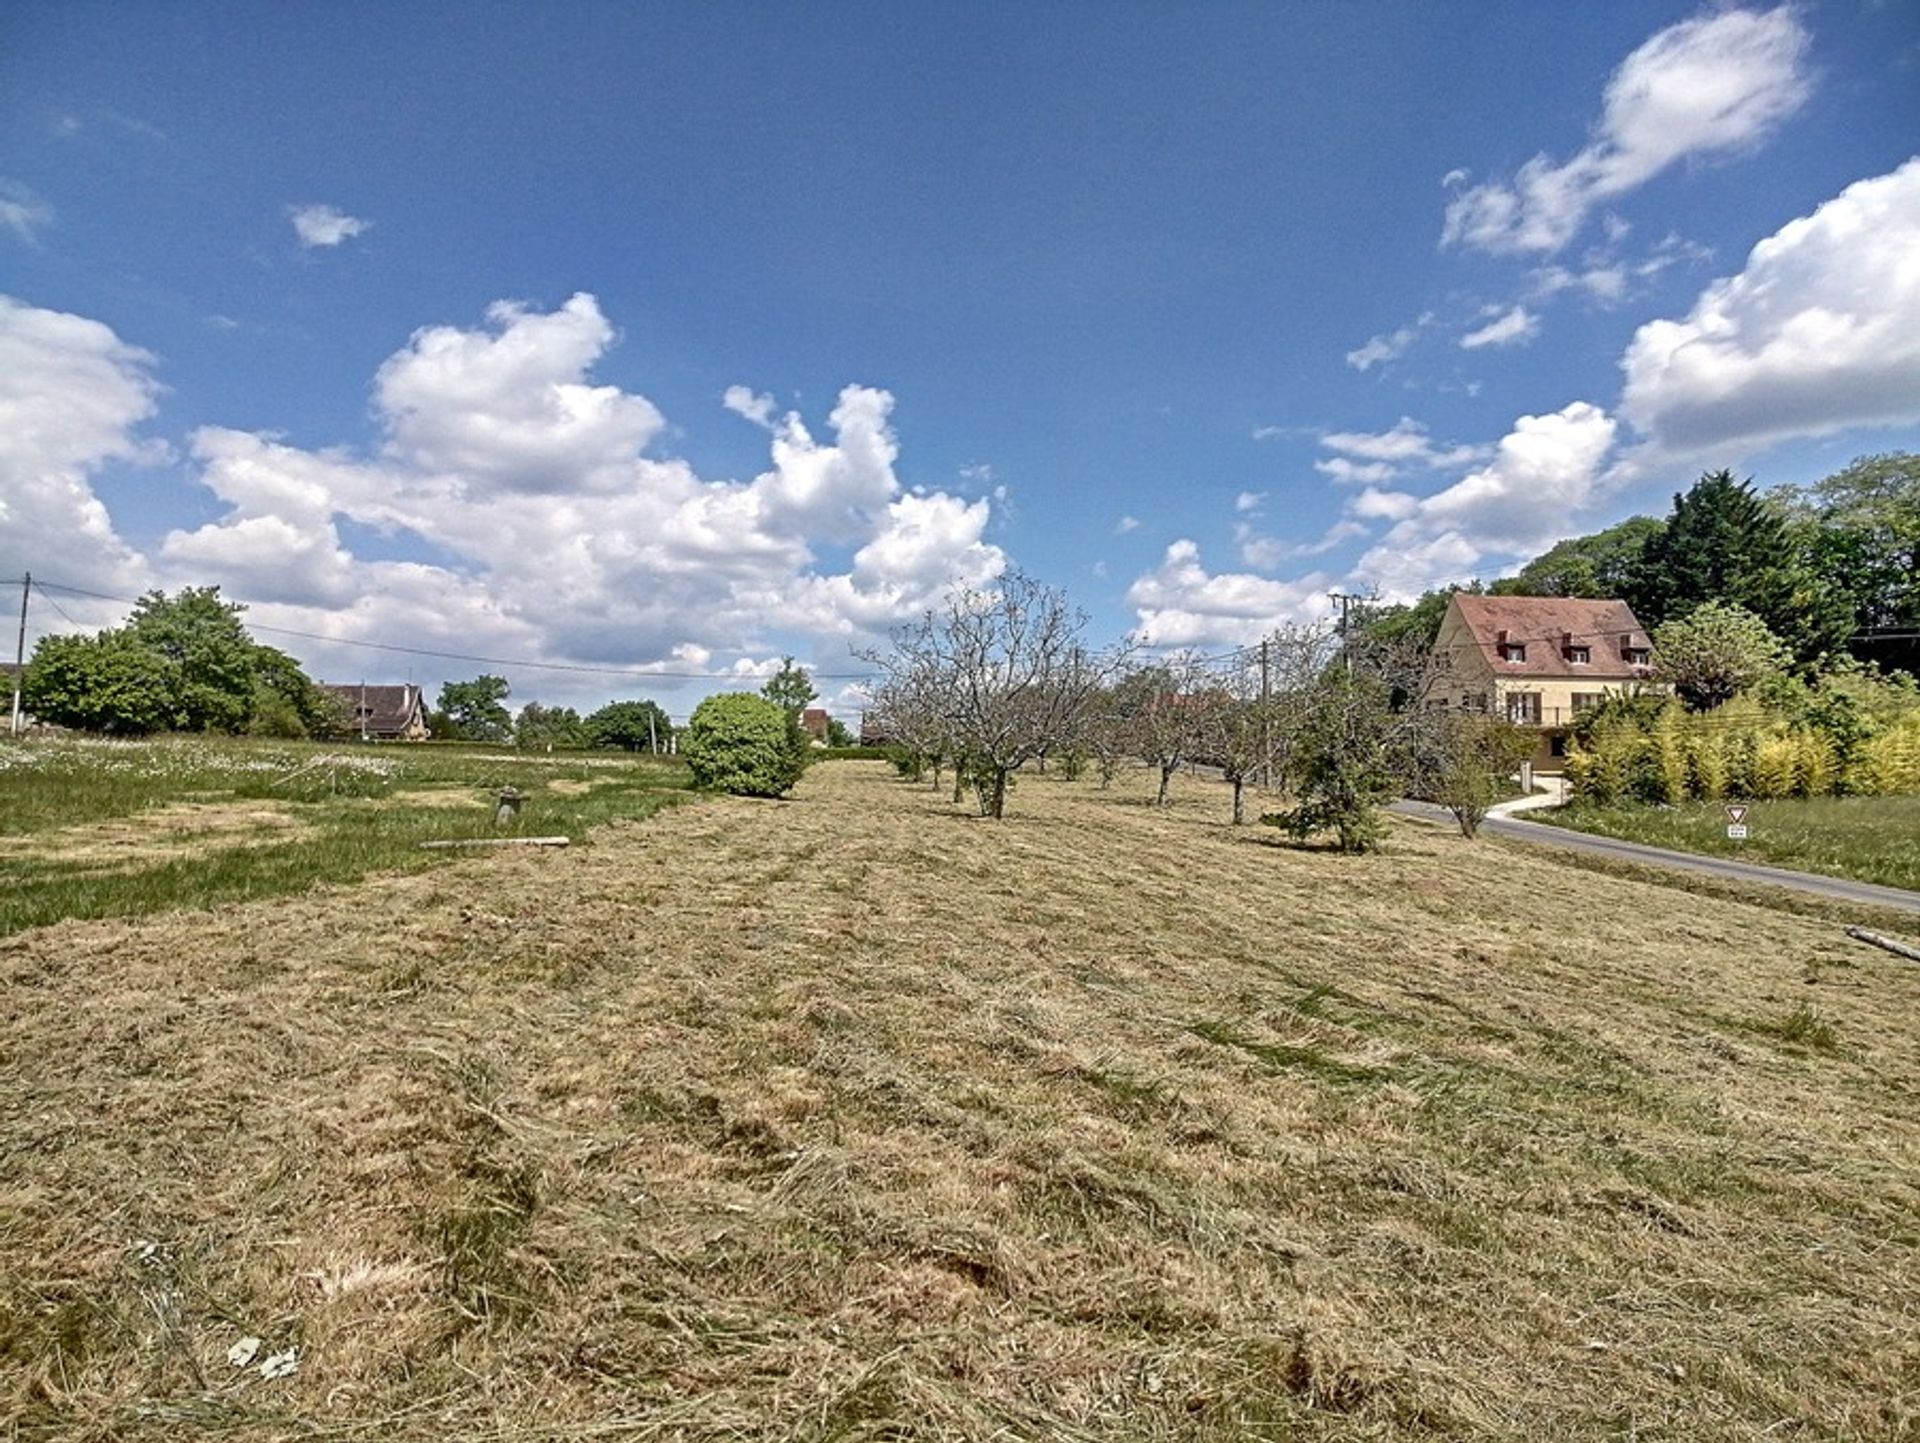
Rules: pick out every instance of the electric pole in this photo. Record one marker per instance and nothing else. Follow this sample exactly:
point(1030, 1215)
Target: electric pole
point(1266, 715)
point(20, 657)
point(1345, 602)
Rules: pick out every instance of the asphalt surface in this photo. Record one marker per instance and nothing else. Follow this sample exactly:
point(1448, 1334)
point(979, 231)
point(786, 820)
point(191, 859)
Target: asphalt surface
point(1833, 888)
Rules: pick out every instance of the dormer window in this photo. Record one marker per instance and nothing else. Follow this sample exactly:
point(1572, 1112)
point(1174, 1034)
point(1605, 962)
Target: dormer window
point(1510, 650)
point(1635, 655)
point(1578, 655)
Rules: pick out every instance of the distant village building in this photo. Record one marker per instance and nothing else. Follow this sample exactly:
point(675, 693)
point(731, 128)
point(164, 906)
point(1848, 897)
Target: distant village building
point(813, 721)
point(381, 713)
point(1538, 661)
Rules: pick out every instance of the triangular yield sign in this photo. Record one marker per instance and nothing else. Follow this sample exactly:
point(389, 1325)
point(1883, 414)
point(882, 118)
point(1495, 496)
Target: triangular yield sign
point(1736, 815)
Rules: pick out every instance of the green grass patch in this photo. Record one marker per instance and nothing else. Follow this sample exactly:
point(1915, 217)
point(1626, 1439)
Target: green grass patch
point(118, 829)
point(1869, 839)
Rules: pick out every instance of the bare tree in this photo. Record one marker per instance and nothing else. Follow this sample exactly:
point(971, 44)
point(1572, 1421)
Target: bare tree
point(1166, 710)
point(1005, 672)
point(1235, 731)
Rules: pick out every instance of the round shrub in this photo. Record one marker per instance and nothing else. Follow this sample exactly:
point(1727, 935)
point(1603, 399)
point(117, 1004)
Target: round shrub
point(743, 744)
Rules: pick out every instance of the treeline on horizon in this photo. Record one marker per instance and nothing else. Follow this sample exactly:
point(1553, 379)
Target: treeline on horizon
point(1833, 569)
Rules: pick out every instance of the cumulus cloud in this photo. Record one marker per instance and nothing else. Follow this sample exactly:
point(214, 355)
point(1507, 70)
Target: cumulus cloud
point(23, 212)
point(755, 407)
point(545, 526)
point(1249, 501)
point(1510, 328)
point(324, 225)
point(1181, 603)
point(72, 398)
point(1126, 524)
point(1544, 472)
point(1819, 331)
point(1712, 85)
point(1266, 552)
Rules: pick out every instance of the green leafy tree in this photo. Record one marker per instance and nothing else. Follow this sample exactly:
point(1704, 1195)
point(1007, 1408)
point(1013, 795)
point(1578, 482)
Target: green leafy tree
point(106, 683)
point(742, 744)
point(1862, 529)
point(633, 726)
point(1470, 756)
point(181, 663)
point(476, 710)
point(1600, 566)
point(213, 660)
point(1419, 622)
point(1715, 652)
point(838, 734)
point(790, 688)
point(546, 727)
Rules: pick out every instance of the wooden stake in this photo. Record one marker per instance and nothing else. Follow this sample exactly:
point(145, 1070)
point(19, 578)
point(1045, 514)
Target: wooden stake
point(506, 842)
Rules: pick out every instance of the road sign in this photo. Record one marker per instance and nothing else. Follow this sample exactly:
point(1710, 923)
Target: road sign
point(1736, 814)
point(1736, 832)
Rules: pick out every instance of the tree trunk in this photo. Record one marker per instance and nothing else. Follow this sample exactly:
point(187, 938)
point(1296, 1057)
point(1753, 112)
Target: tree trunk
point(1166, 777)
point(1239, 801)
point(959, 781)
point(999, 803)
point(937, 769)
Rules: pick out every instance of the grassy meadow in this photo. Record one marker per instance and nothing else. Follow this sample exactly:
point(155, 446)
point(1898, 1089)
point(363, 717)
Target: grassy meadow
point(1870, 839)
point(857, 1117)
point(92, 828)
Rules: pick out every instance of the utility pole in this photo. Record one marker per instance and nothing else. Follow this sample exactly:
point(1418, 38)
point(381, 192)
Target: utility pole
point(1345, 602)
point(1266, 715)
point(20, 657)
point(653, 736)
point(363, 708)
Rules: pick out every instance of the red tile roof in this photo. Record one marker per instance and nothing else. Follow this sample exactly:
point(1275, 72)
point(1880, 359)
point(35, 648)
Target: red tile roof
point(1546, 626)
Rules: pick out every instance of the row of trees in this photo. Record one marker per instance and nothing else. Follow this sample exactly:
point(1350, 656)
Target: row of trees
point(181, 663)
point(476, 711)
point(1832, 569)
point(996, 680)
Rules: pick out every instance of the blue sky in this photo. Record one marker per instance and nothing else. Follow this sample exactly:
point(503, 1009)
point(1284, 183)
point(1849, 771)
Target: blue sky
point(678, 337)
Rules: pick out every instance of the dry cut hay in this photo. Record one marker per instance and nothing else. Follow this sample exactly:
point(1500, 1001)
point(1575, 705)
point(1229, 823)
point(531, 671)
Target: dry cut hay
point(856, 1117)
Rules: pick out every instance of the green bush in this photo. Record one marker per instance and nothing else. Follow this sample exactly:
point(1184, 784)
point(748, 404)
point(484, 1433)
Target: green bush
point(743, 744)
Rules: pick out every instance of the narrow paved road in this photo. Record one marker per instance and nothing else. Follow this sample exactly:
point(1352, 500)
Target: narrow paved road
point(1834, 888)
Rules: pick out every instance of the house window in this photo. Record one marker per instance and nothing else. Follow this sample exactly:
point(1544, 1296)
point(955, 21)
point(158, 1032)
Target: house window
point(1634, 655)
point(1587, 700)
point(1523, 708)
point(1579, 655)
point(1513, 651)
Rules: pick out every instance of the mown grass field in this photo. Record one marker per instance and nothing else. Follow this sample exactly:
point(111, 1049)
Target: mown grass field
point(1870, 839)
point(856, 1117)
point(94, 828)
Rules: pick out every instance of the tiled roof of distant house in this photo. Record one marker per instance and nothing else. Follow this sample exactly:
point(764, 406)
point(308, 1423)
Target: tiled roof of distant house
point(1545, 635)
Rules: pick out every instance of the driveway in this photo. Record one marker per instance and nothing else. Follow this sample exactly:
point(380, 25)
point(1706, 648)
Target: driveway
point(1837, 889)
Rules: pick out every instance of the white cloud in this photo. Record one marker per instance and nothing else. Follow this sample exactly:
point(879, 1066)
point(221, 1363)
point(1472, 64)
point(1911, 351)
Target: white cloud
point(506, 409)
point(548, 530)
point(1820, 331)
point(1374, 504)
point(23, 212)
point(1388, 347)
point(323, 225)
point(1355, 473)
point(1542, 475)
point(1512, 328)
point(72, 396)
point(755, 407)
point(1249, 501)
point(1126, 524)
point(1179, 603)
point(1266, 552)
point(1713, 85)
point(1371, 457)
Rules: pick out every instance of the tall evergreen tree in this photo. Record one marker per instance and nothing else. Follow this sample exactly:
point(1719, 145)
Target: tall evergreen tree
point(1724, 542)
